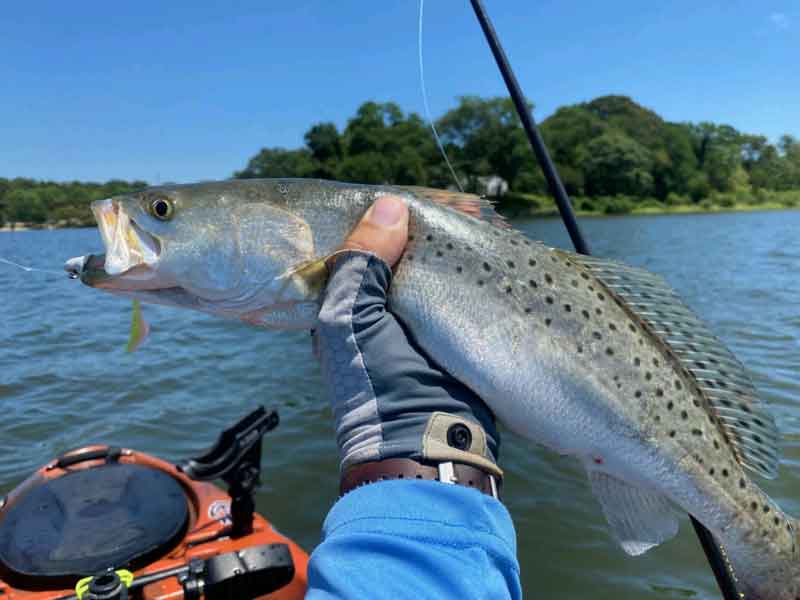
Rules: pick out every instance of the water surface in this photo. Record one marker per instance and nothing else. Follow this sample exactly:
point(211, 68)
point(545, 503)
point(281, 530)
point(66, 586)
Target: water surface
point(65, 380)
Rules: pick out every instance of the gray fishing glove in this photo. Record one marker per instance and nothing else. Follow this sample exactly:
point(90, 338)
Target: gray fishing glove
point(398, 415)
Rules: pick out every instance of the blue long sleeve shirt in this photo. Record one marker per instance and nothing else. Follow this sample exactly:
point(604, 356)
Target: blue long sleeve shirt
point(415, 539)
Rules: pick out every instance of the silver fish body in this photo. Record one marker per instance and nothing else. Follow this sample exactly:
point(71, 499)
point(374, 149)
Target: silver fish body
point(567, 352)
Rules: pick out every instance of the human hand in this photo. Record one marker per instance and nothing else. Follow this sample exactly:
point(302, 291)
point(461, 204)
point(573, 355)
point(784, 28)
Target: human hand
point(397, 414)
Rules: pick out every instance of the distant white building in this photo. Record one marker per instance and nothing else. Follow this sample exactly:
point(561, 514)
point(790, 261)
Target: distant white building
point(493, 185)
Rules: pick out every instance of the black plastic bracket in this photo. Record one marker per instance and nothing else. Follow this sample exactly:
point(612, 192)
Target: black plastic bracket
point(236, 459)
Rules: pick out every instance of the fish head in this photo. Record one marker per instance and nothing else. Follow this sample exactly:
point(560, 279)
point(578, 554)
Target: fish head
point(206, 247)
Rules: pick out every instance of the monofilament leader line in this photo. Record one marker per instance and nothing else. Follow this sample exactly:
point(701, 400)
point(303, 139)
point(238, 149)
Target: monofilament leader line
point(29, 269)
point(723, 572)
point(425, 102)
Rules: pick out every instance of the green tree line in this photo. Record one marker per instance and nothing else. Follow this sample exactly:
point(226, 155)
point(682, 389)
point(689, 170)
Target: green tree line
point(612, 153)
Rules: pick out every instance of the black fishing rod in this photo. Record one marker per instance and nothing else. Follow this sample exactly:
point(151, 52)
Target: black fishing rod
point(721, 567)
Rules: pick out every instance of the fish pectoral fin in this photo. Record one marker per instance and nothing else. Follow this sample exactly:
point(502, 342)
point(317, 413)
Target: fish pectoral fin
point(639, 519)
point(310, 275)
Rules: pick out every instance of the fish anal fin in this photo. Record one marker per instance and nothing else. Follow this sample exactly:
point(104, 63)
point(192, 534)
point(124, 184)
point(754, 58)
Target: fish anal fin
point(469, 204)
point(730, 396)
point(639, 519)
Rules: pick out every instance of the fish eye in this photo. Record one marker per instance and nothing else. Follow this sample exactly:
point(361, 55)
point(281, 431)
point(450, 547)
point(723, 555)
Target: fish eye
point(162, 209)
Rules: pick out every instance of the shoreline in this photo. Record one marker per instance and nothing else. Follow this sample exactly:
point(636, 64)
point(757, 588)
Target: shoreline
point(682, 209)
point(512, 212)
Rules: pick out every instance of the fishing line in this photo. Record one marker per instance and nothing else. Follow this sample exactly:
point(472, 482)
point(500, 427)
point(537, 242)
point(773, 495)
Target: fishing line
point(425, 101)
point(30, 269)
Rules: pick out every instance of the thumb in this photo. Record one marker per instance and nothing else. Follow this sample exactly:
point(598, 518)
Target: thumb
point(383, 230)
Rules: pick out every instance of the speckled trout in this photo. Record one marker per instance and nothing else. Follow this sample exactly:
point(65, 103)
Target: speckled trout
point(588, 357)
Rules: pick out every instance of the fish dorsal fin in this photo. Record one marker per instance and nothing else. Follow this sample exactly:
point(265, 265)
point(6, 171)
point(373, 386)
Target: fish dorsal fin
point(723, 381)
point(469, 204)
point(639, 519)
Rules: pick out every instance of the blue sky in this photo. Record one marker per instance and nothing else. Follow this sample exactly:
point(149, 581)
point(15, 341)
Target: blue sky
point(185, 91)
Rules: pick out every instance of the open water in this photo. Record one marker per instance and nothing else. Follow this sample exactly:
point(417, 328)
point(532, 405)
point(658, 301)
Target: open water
point(66, 380)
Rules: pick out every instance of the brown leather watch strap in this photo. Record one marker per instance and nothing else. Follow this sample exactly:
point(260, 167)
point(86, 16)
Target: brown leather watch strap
point(406, 468)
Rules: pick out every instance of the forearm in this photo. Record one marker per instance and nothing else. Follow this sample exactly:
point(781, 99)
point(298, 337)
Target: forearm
point(416, 539)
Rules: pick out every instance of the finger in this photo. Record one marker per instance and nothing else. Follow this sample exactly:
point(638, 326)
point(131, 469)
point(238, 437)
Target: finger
point(383, 230)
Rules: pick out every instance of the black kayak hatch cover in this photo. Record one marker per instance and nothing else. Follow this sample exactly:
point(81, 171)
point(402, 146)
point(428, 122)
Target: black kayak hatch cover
point(91, 520)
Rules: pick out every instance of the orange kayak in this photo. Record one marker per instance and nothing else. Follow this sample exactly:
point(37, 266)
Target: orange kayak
point(129, 525)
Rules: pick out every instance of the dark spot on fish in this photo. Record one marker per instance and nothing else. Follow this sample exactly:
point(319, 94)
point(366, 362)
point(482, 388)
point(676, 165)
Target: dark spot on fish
point(758, 422)
point(716, 445)
point(554, 259)
point(549, 299)
point(411, 238)
point(670, 405)
point(722, 384)
point(480, 282)
point(700, 365)
point(641, 341)
point(585, 313)
point(528, 310)
point(697, 432)
point(459, 269)
point(449, 246)
point(655, 362)
point(600, 297)
point(745, 408)
point(727, 403)
point(672, 433)
point(724, 472)
point(637, 361)
point(598, 312)
point(580, 349)
point(574, 283)
point(684, 415)
point(429, 238)
point(409, 257)
point(678, 385)
point(659, 392)
point(532, 283)
point(487, 267)
point(513, 242)
point(591, 289)
point(711, 471)
point(631, 328)
point(439, 253)
point(648, 376)
point(547, 278)
point(612, 327)
point(596, 335)
point(744, 424)
point(696, 402)
point(753, 506)
point(526, 242)
point(508, 289)
point(584, 275)
point(638, 393)
point(548, 322)
point(657, 418)
point(776, 520)
point(766, 508)
point(511, 264)
point(610, 351)
point(742, 484)
point(568, 307)
point(531, 262)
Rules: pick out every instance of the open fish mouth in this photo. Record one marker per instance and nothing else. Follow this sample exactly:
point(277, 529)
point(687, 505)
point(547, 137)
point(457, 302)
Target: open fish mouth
point(131, 253)
point(127, 244)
